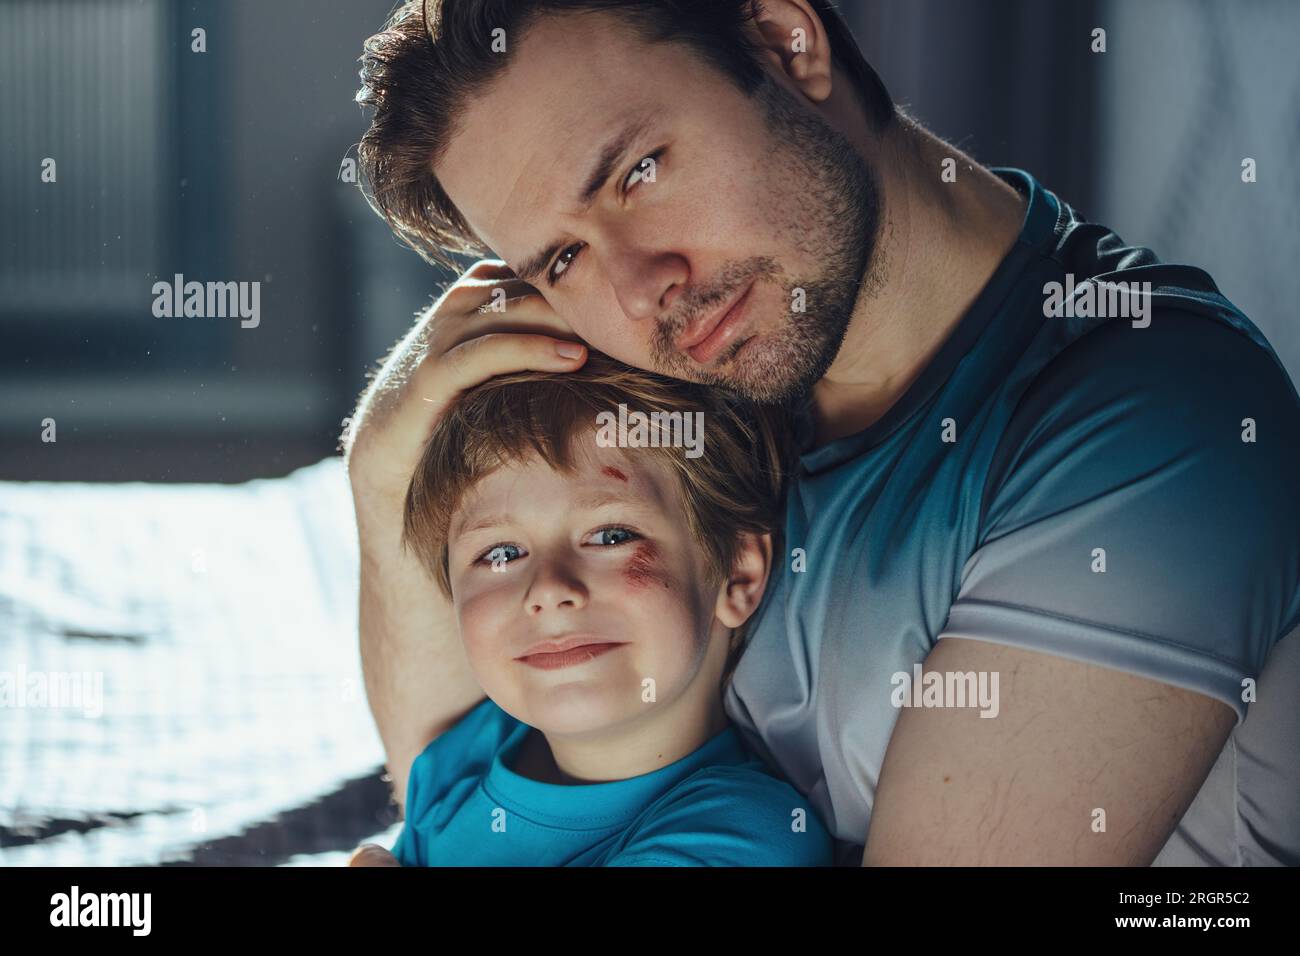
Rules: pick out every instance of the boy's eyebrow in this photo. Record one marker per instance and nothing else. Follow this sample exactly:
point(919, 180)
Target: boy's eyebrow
point(609, 158)
point(588, 502)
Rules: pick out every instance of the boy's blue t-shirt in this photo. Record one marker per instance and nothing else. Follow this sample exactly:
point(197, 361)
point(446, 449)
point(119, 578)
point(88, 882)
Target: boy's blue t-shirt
point(718, 806)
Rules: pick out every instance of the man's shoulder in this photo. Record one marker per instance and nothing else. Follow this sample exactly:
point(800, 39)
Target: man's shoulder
point(1189, 363)
point(1126, 399)
point(1177, 327)
point(1168, 450)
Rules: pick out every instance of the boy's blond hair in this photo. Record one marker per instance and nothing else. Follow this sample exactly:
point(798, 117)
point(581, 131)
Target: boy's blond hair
point(736, 485)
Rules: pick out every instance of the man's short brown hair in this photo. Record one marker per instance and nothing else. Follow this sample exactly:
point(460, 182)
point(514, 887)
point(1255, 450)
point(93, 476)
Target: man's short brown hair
point(424, 67)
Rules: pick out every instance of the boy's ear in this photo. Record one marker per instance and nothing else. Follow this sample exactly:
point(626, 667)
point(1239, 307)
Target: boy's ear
point(741, 593)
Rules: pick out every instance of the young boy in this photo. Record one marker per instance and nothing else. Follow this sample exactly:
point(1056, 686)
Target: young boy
point(602, 576)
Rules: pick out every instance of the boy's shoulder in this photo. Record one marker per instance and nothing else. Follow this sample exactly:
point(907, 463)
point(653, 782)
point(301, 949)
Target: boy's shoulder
point(727, 814)
point(463, 751)
point(467, 748)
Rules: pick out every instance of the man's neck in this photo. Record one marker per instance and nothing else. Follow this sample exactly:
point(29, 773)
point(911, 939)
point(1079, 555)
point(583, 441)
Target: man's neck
point(939, 244)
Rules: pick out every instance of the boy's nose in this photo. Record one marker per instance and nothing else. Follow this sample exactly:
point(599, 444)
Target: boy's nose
point(555, 588)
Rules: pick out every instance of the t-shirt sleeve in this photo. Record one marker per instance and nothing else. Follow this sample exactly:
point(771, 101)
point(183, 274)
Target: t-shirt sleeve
point(467, 747)
point(407, 848)
point(728, 816)
point(1141, 511)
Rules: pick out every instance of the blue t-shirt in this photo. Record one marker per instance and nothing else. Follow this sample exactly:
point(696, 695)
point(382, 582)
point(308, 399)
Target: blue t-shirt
point(718, 806)
point(983, 504)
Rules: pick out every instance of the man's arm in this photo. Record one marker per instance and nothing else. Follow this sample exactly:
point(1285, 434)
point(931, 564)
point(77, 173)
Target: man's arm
point(418, 680)
point(1129, 522)
point(1029, 786)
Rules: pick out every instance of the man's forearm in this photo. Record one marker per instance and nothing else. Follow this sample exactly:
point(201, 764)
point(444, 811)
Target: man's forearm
point(418, 681)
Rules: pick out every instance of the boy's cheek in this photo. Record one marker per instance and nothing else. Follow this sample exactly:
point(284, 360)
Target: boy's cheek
point(483, 628)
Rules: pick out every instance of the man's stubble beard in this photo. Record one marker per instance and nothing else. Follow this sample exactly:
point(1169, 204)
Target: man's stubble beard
point(836, 220)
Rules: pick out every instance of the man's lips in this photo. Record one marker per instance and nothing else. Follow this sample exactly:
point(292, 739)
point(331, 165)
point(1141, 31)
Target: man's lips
point(703, 339)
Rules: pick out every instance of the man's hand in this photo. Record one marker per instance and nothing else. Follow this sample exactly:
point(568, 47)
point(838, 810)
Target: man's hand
point(372, 854)
point(1028, 787)
point(418, 680)
point(460, 342)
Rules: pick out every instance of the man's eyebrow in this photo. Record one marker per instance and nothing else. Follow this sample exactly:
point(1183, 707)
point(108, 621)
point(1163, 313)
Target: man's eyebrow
point(609, 158)
point(588, 503)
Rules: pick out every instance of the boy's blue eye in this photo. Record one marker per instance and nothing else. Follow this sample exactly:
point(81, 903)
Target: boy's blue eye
point(624, 531)
point(498, 555)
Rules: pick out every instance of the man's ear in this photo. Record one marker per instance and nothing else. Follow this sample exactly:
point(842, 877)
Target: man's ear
point(741, 593)
point(791, 36)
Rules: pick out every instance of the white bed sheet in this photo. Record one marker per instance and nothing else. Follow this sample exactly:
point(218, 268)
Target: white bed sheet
point(221, 620)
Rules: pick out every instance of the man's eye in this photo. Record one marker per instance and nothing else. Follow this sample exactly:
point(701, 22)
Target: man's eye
point(499, 555)
point(636, 175)
point(556, 271)
point(640, 170)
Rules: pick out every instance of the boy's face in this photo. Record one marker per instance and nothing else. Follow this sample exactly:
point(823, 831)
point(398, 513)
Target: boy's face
point(605, 557)
point(759, 198)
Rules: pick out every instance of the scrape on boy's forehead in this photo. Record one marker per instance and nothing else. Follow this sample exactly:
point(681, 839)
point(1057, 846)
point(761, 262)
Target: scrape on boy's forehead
point(517, 493)
point(524, 142)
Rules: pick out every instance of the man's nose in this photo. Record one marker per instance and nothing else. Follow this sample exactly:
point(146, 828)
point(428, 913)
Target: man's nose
point(646, 282)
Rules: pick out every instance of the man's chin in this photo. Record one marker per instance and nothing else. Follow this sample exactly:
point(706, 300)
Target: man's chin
point(758, 371)
point(761, 373)
point(737, 379)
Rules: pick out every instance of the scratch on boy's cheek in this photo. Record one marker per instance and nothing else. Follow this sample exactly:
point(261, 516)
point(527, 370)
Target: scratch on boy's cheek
point(613, 473)
point(640, 571)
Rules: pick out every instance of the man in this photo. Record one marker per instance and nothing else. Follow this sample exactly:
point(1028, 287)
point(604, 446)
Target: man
point(1045, 554)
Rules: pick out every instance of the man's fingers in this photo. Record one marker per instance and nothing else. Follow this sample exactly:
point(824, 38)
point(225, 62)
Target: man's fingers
point(479, 294)
point(372, 854)
point(474, 307)
point(489, 323)
point(439, 380)
point(476, 360)
point(490, 269)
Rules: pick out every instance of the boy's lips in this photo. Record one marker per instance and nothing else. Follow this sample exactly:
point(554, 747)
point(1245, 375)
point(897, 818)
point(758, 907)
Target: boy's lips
point(550, 655)
point(558, 644)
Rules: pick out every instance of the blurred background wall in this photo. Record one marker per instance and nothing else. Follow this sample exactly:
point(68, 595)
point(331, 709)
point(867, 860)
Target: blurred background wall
point(1148, 137)
point(226, 165)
